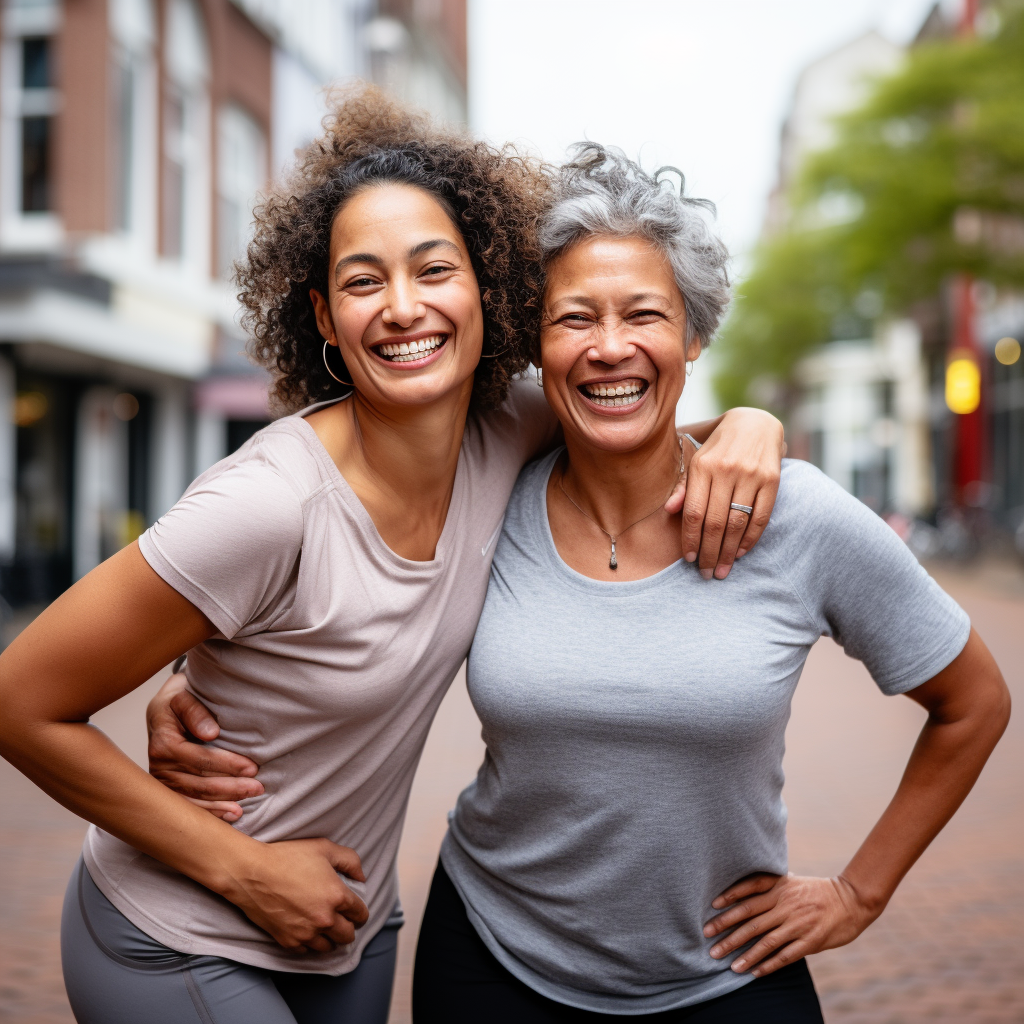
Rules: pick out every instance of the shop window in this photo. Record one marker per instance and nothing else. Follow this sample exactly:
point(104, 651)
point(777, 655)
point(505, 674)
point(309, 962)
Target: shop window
point(239, 431)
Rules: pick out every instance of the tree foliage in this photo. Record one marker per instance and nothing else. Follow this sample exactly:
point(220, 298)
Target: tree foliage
point(924, 180)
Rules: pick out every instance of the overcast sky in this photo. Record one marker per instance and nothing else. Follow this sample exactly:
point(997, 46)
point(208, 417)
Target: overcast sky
point(701, 84)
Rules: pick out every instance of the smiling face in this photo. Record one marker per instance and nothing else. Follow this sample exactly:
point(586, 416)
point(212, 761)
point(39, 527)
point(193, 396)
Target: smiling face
point(403, 303)
point(612, 342)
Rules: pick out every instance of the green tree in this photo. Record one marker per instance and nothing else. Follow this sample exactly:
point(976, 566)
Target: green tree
point(925, 180)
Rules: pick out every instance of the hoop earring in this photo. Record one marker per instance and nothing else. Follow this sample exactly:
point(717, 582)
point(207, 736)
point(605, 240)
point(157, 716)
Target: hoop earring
point(347, 383)
point(540, 377)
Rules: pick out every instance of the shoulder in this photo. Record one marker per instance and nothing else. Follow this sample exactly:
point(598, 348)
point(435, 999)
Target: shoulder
point(522, 425)
point(257, 494)
point(279, 462)
point(286, 454)
point(808, 498)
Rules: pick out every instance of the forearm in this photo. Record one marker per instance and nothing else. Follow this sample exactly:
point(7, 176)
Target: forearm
point(79, 767)
point(759, 421)
point(946, 762)
point(100, 640)
point(701, 431)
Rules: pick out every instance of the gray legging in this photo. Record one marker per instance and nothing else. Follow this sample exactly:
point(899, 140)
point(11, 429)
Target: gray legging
point(116, 974)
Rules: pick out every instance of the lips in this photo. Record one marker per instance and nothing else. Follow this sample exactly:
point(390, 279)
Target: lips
point(615, 393)
point(408, 350)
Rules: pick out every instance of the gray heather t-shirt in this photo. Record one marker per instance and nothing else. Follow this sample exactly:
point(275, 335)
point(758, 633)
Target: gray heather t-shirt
point(635, 734)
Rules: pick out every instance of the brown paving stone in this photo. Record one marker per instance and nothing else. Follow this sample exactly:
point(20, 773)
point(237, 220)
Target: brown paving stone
point(950, 946)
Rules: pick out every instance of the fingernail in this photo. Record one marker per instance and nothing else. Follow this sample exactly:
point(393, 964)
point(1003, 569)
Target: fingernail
point(231, 816)
point(718, 903)
point(706, 573)
point(722, 571)
point(738, 965)
point(690, 556)
point(716, 951)
point(741, 552)
point(708, 931)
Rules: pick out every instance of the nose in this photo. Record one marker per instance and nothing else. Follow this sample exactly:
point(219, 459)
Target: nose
point(403, 306)
point(612, 345)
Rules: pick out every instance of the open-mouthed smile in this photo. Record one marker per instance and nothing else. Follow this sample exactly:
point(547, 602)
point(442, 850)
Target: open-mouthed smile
point(408, 351)
point(615, 393)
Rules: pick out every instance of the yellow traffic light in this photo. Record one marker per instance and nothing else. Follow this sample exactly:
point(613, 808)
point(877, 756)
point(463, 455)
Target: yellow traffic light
point(1007, 351)
point(963, 384)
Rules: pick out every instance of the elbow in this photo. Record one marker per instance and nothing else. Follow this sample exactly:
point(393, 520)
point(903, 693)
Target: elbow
point(991, 708)
point(1003, 705)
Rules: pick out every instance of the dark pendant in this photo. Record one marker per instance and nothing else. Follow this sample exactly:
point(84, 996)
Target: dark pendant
point(612, 563)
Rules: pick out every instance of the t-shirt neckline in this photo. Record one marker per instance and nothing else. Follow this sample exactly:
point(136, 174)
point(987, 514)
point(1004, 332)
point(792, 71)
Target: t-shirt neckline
point(602, 588)
point(351, 499)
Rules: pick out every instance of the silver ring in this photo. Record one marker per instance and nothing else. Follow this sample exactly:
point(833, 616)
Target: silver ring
point(742, 508)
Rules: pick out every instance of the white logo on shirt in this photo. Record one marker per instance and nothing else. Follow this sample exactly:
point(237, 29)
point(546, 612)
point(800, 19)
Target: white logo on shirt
point(490, 540)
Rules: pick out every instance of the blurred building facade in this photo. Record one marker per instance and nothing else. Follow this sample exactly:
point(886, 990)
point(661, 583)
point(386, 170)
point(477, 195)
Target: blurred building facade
point(872, 411)
point(862, 410)
point(134, 137)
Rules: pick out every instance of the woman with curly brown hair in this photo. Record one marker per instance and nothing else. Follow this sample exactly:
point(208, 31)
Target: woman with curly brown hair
point(326, 581)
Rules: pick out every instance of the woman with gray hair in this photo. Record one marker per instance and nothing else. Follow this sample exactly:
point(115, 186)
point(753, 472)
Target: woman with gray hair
point(623, 848)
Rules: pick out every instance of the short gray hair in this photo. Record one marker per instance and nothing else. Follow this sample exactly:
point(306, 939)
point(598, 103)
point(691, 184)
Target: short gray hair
point(600, 191)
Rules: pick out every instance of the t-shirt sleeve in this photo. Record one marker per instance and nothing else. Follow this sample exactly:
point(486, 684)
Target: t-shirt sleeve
point(865, 589)
point(231, 545)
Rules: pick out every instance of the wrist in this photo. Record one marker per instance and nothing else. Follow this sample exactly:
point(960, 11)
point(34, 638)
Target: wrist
point(230, 868)
point(868, 899)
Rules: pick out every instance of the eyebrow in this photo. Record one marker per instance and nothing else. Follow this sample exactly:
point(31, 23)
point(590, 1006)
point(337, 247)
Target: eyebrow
point(433, 243)
point(357, 257)
point(416, 250)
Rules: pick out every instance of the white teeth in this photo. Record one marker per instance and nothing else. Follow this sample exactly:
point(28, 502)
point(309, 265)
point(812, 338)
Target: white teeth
point(404, 351)
point(615, 394)
point(613, 399)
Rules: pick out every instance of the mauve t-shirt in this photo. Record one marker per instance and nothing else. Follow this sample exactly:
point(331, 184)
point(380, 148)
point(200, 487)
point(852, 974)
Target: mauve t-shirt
point(331, 657)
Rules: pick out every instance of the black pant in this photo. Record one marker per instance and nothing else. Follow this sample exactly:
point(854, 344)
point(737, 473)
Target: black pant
point(458, 981)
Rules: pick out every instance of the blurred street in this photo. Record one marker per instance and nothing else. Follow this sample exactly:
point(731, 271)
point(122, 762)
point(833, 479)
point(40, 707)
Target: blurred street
point(950, 946)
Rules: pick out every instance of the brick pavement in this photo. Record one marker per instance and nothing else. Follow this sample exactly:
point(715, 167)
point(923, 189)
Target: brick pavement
point(950, 946)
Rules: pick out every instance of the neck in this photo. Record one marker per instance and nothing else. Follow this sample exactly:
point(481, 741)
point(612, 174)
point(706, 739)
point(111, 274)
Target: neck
point(617, 488)
point(411, 452)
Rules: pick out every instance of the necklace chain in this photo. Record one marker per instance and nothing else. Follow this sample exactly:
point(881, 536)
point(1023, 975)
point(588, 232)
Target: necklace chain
point(613, 562)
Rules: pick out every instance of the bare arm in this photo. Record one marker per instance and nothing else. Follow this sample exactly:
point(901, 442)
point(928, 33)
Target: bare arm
point(100, 640)
point(968, 708)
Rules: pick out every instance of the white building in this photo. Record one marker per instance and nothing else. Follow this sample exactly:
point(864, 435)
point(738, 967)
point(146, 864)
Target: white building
point(863, 417)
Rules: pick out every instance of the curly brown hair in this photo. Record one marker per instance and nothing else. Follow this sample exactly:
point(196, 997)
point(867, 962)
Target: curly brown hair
point(494, 196)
